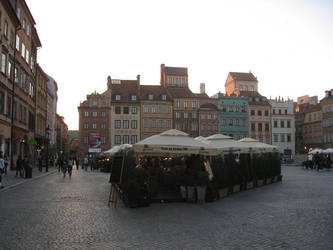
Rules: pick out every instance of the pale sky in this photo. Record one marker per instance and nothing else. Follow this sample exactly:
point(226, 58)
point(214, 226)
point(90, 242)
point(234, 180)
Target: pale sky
point(287, 44)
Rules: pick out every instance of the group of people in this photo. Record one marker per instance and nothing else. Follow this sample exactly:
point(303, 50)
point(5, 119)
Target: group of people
point(318, 161)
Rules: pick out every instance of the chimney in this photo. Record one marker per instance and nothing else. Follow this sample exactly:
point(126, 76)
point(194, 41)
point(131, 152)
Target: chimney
point(202, 88)
point(109, 82)
point(162, 73)
point(138, 79)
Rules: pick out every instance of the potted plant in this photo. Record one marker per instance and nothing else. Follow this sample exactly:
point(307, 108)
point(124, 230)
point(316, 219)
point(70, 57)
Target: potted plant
point(201, 185)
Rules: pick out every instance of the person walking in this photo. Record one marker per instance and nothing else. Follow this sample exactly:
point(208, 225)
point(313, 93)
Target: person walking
point(86, 162)
point(5, 159)
point(316, 159)
point(40, 164)
point(70, 166)
point(64, 167)
point(2, 169)
point(19, 164)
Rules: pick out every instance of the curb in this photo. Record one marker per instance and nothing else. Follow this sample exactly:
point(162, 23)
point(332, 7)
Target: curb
point(27, 180)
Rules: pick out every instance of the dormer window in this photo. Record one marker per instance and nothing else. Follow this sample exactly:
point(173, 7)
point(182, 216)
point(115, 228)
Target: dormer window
point(150, 97)
point(163, 97)
point(118, 97)
point(133, 98)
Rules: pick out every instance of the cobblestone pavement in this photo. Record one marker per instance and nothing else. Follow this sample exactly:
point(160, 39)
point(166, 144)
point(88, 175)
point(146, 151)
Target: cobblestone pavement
point(53, 212)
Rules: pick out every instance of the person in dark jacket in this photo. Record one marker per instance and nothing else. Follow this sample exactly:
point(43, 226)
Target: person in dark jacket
point(19, 166)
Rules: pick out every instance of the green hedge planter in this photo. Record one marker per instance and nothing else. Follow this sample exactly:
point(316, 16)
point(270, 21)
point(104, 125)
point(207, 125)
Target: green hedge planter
point(223, 192)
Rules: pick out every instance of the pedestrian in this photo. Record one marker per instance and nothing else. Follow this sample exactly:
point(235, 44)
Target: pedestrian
point(40, 164)
point(70, 166)
point(5, 159)
point(64, 167)
point(60, 163)
point(2, 169)
point(86, 162)
point(316, 159)
point(27, 167)
point(19, 166)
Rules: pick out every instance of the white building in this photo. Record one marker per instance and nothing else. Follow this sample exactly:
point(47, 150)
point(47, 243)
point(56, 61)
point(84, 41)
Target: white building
point(283, 125)
point(52, 100)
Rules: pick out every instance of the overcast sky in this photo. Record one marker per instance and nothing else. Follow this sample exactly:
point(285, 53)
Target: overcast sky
point(287, 45)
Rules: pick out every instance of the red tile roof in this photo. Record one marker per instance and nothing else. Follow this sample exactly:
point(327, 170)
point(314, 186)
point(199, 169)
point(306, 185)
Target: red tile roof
point(126, 89)
point(201, 95)
point(176, 71)
point(181, 93)
point(249, 93)
point(252, 95)
point(238, 76)
point(156, 90)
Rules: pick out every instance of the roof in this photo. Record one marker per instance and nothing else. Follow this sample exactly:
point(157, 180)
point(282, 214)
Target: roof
point(202, 95)
point(249, 93)
point(126, 88)
point(262, 99)
point(208, 106)
point(177, 71)
point(156, 90)
point(181, 93)
point(238, 76)
point(314, 108)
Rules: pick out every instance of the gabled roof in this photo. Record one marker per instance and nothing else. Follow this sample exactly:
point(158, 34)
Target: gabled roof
point(156, 90)
point(181, 93)
point(238, 76)
point(253, 94)
point(126, 88)
point(176, 71)
point(202, 95)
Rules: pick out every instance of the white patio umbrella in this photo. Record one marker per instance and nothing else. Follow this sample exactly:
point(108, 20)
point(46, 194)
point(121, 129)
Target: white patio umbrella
point(171, 142)
point(199, 138)
point(224, 143)
point(257, 146)
point(328, 151)
point(117, 149)
point(316, 150)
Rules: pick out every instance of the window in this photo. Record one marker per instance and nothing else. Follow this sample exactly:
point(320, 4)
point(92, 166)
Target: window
point(169, 109)
point(224, 122)
point(274, 111)
point(169, 80)
point(240, 87)
point(126, 139)
point(168, 123)
point(19, 13)
point(176, 81)
point(118, 110)
point(259, 113)
point(251, 88)
point(103, 114)
point(126, 110)
point(16, 76)
point(288, 137)
point(253, 126)
point(32, 63)
point(252, 112)
point(27, 58)
point(282, 124)
point(203, 116)
point(28, 30)
point(266, 126)
point(245, 88)
point(276, 138)
point(2, 102)
point(266, 113)
point(23, 24)
point(9, 72)
point(134, 124)
point(5, 29)
point(9, 105)
point(86, 114)
point(145, 109)
point(153, 109)
point(117, 139)
point(14, 109)
point(94, 114)
point(150, 97)
point(134, 139)
point(117, 124)
point(145, 123)
point(154, 124)
point(185, 115)
point(237, 122)
point(288, 123)
point(275, 124)
point(17, 42)
point(160, 108)
point(177, 114)
point(279, 111)
point(117, 96)
point(23, 50)
point(133, 97)
point(3, 63)
point(86, 126)
point(24, 114)
point(186, 104)
point(160, 123)
point(194, 115)
point(126, 124)
point(103, 126)
point(94, 126)
point(85, 139)
point(103, 139)
point(285, 111)
point(134, 110)
point(164, 97)
point(267, 140)
point(194, 104)
point(282, 137)
point(183, 81)
point(177, 104)
point(259, 126)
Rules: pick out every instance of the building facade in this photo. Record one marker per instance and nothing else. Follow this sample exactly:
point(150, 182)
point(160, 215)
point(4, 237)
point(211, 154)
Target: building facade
point(327, 111)
point(125, 111)
point(156, 110)
point(283, 125)
point(51, 113)
point(208, 119)
point(62, 143)
point(233, 116)
point(312, 128)
point(94, 124)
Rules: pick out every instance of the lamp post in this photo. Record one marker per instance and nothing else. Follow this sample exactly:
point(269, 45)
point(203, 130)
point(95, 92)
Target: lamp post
point(47, 148)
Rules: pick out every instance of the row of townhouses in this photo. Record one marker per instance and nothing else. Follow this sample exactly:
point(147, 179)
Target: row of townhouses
point(129, 111)
point(28, 96)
